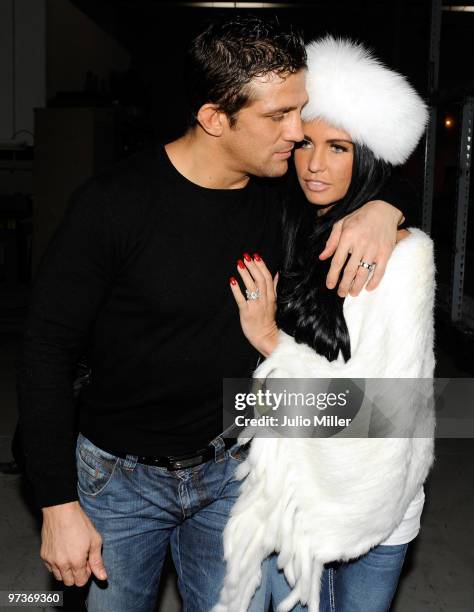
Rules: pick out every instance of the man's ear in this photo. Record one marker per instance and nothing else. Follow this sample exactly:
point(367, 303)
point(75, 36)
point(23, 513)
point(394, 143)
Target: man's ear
point(211, 119)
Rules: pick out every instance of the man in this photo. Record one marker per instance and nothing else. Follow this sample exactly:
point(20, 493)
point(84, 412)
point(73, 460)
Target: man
point(137, 275)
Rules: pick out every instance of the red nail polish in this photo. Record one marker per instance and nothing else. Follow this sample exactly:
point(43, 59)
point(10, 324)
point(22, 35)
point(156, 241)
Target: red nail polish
point(247, 257)
point(232, 281)
point(241, 264)
point(257, 257)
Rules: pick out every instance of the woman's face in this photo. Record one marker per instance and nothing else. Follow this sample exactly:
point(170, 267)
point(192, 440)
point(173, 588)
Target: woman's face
point(324, 162)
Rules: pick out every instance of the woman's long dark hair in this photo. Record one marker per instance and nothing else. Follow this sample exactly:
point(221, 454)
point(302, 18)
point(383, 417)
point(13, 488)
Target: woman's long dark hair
point(307, 309)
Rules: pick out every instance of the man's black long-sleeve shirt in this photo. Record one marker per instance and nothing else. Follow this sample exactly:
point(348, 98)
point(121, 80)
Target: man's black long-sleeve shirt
point(136, 277)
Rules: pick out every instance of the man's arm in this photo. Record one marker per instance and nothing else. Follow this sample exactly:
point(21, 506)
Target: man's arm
point(401, 193)
point(69, 287)
point(368, 234)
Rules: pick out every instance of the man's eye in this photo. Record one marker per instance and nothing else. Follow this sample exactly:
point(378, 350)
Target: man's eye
point(277, 117)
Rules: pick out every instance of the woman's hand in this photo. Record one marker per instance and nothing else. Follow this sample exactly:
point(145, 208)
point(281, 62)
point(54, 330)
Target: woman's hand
point(257, 316)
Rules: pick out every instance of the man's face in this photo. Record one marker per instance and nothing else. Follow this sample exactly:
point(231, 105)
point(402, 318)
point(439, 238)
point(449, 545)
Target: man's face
point(262, 139)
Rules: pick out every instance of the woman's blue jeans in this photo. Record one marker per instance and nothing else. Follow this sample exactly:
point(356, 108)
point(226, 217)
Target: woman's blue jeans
point(139, 510)
point(366, 584)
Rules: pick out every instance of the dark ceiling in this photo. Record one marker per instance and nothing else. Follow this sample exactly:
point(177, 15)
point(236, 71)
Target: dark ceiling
point(157, 34)
point(397, 30)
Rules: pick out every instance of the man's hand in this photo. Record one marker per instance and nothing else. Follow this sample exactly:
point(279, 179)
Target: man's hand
point(368, 234)
point(71, 546)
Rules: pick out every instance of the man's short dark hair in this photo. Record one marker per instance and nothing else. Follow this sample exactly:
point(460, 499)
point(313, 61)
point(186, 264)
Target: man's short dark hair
point(225, 57)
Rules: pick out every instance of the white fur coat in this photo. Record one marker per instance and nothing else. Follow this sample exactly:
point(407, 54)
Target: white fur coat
point(319, 500)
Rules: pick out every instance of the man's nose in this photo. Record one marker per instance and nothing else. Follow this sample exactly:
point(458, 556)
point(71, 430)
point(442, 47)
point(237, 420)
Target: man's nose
point(294, 129)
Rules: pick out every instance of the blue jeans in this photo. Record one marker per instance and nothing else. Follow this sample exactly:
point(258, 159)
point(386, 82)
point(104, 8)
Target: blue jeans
point(366, 584)
point(140, 509)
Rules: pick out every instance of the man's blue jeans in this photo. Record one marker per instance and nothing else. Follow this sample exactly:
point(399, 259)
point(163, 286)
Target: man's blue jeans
point(366, 584)
point(140, 509)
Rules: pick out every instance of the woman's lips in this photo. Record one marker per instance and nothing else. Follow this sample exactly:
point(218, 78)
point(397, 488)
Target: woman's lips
point(317, 186)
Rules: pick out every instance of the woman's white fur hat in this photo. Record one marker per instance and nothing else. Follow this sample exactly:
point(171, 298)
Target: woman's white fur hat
point(351, 89)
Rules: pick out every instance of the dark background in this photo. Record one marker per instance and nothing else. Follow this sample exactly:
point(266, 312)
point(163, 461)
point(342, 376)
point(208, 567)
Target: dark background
point(141, 94)
point(112, 72)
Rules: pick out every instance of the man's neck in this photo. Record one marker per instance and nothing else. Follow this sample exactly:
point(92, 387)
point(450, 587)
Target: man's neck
point(200, 159)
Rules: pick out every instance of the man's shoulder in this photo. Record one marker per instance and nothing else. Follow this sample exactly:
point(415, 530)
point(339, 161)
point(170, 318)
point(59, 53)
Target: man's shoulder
point(132, 174)
point(129, 184)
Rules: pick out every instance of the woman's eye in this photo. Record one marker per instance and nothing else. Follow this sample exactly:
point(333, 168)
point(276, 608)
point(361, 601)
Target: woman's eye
point(338, 148)
point(304, 144)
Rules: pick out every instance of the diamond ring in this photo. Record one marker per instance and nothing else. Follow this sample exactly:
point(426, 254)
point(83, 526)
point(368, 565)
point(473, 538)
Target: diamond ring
point(252, 295)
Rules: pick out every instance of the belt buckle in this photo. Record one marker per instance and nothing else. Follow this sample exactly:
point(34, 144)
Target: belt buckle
point(176, 463)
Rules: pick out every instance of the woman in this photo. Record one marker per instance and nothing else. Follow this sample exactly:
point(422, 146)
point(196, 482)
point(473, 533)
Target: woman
point(339, 511)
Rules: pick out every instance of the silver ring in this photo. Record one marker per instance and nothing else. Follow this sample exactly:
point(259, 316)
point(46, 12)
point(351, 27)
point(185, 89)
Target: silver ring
point(367, 265)
point(252, 295)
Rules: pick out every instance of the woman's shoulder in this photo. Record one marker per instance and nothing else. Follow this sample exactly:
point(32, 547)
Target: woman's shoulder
point(410, 273)
point(414, 239)
point(413, 255)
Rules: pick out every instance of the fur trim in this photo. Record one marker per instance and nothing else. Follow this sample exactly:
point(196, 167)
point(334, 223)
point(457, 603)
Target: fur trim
point(319, 500)
point(351, 89)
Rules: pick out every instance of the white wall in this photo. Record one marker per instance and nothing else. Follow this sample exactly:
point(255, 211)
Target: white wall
point(47, 46)
point(75, 45)
point(6, 69)
point(30, 61)
point(22, 66)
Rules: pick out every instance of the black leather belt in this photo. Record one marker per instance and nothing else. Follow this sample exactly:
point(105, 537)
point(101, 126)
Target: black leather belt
point(181, 462)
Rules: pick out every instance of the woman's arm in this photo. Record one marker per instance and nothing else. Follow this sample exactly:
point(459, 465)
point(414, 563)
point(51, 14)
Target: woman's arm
point(257, 311)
